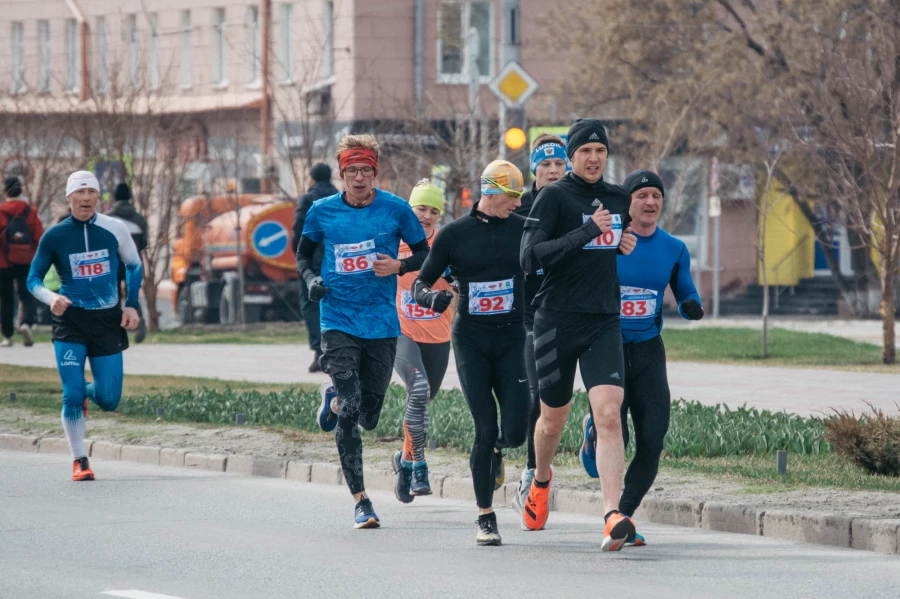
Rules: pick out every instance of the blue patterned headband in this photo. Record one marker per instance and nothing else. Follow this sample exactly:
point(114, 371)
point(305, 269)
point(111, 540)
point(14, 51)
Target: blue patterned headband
point(551, 149)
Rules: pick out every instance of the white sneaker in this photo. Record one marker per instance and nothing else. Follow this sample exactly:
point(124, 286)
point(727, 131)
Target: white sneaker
point(28, 339)
point(7, 342)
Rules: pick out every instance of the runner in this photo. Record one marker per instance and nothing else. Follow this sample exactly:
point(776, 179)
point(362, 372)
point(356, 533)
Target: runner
point(481, 249)
point(423, 351)
point(88, 323)
point(659, 260)
point(548, 164)
point(574, 231)
point(361, 229)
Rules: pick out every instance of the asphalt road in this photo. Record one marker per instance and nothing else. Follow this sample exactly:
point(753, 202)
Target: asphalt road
point(797, 390)
point(145, 532)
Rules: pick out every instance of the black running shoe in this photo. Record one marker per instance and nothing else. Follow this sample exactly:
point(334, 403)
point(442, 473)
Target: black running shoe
point(487, 534)
point(365, 514)
point(420, 483)
point(404, 478)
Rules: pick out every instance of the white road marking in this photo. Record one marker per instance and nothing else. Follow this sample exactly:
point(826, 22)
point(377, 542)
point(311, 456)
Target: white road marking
point(138, 595)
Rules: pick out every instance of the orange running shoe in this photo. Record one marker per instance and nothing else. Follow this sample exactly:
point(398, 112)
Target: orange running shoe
point(537, 506)
point(618, 530)
point(81, 470)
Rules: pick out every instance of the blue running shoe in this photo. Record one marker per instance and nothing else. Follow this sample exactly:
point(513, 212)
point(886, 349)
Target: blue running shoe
point(404, 471)
point(588, 447)
point(365, 514)
point(420, 483)
point(637, 540)
point(327, 418)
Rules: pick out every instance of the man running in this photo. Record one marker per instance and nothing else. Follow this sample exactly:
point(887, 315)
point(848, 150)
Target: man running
point(548, 163)
point(88, 323)
point(659, 260)
point(361, 229)
point(574, 231)
point(423, 351)
point(481, 249)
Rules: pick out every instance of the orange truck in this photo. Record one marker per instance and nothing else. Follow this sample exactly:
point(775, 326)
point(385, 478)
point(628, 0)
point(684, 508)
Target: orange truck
point(206, 255)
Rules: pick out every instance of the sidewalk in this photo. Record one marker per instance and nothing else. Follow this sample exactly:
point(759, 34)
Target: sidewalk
point(797, 390)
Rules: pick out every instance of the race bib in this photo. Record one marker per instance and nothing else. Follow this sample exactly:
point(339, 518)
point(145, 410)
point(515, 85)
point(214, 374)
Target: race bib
point(354, 258)
point(638, 302)
point(609, 240)
point(491, 297)
point(88, 265)
point(413, 311)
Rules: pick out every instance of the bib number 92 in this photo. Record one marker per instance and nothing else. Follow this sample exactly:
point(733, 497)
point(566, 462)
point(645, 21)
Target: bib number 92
point(491, 297)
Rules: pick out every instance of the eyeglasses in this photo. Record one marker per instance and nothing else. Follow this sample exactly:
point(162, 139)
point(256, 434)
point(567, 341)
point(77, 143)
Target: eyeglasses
point(352, 171)
point(502, 188)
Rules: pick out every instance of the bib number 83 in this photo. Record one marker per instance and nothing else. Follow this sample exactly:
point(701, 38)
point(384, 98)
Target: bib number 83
point(634, 308)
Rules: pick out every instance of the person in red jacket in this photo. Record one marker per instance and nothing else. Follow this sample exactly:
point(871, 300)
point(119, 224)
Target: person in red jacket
point(20, 231)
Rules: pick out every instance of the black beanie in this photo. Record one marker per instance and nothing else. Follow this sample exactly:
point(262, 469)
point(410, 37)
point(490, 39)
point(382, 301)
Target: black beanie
point(123, 193)
point(12, 187)
point(642, 178)
point(320, 172)
point(585, 131)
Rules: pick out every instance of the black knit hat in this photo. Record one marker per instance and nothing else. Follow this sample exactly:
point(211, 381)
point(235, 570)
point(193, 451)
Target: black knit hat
point(12, 187)
point(642, 178)
point(123, 193)
point(320, 172)
point(585, 131)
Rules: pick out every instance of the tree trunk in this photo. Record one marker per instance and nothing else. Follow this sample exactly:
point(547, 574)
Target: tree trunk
point(151, 316)
point(887, 303)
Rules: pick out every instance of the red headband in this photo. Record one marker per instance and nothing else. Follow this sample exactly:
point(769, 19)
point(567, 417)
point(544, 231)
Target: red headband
point(357, 156)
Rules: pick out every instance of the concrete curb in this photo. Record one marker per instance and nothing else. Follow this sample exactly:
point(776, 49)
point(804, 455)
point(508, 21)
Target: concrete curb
point(868, 534)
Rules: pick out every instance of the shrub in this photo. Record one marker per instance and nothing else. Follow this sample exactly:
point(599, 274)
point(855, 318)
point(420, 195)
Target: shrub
point(871, 441)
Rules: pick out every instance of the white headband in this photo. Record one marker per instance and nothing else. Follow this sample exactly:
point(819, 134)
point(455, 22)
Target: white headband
point(81, 180)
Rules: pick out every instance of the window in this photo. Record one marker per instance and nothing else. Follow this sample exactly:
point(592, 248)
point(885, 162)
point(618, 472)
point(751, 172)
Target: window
point(219, 48)
point(254, 44)
point(18, 53)
point(132, 33)
point(102, 61)
point(44, 54)
point(187, 45)
point(73, 58)
point(328, 45)
point(455, 20)
point(287, 42)
point(153, 59)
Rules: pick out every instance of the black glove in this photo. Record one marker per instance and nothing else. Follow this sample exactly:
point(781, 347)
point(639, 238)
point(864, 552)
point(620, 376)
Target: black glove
point(692, 309)
point(317, 289)
point(438, 301)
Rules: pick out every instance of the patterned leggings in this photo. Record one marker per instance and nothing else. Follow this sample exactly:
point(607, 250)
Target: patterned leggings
point(422, 366)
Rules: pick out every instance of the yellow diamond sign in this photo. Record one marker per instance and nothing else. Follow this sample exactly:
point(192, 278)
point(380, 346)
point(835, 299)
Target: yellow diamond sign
point(513, 85)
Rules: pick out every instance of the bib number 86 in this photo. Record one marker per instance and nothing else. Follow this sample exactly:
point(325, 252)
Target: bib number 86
point(355, 264)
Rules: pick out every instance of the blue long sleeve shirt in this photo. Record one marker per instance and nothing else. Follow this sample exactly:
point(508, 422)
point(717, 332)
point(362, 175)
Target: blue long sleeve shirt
point(86, 255)
point(658, 260)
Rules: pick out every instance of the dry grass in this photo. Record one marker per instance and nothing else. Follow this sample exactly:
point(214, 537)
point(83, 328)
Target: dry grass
point(871, 441)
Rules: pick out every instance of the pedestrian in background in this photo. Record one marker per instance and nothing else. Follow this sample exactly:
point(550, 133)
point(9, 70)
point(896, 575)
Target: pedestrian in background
point(20, 231)
point(319, 186)
point(124, 210)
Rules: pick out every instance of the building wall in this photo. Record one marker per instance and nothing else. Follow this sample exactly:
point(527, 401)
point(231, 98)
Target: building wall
point(789, 239)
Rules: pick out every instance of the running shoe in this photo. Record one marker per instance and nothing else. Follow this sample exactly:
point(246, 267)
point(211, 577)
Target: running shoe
point(487, 533)
point(327, 418)
point(537, 506)
point(588, 451)
point(518, 501)
point(637, 540)
point(81, 470)
point(7, 342)
point(365, 514)
point(28, 338)
point(420, 483)
point(404, 473)
point(619, 528)
point(499, 470)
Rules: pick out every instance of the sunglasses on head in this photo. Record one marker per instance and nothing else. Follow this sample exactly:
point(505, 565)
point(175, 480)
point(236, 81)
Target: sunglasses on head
point(502, 188)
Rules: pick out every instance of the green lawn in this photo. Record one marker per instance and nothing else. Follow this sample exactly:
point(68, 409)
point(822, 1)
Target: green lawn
point(284, 333)
point(786, 348)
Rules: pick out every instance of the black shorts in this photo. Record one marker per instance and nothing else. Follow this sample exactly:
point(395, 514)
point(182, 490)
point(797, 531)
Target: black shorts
point(564, 340)
point(373, 359)
point(99, 330)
